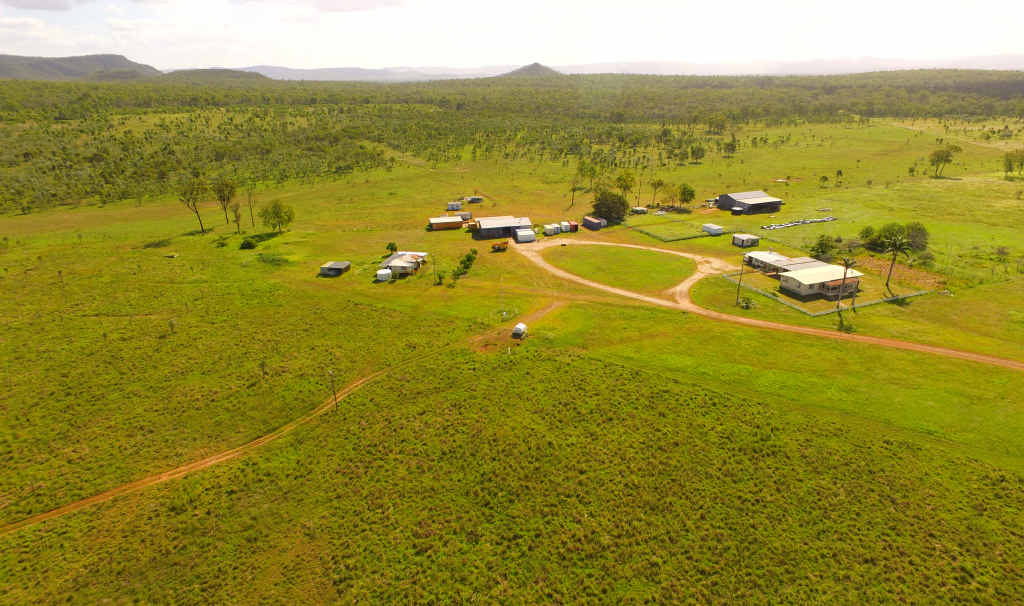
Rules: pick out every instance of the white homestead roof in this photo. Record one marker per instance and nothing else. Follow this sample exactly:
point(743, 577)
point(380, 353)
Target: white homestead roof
point(765, 256)
point(503, 222)
point(817, 275)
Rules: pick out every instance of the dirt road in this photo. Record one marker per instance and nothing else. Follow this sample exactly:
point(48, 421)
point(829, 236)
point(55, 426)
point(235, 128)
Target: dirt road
point(709, 265)
point(234, 453)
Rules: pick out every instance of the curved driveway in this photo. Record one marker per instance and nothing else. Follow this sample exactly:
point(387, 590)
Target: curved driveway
point(710, 265)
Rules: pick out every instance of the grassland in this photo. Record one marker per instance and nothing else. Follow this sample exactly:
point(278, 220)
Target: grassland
point(642, 271)
point(622, 453)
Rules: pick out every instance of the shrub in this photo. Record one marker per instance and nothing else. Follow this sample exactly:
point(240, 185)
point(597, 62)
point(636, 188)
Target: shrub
point(247, 244)
point(610, 206)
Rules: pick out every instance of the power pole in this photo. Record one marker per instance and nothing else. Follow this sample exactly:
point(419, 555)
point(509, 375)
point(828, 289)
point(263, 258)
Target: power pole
point(739, 283)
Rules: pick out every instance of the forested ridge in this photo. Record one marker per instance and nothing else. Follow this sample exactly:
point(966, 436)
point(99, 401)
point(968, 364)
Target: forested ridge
point(72, 141)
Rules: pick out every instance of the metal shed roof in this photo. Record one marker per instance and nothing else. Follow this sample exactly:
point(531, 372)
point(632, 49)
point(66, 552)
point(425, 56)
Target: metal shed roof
point(767, 257)
point(503, 222)
point(455, 219)
point(746, 237)
point(336, 265)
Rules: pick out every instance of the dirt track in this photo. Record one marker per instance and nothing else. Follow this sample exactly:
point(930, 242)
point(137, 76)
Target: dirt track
point(681, 294)
point(234, 453)
point(710, 265)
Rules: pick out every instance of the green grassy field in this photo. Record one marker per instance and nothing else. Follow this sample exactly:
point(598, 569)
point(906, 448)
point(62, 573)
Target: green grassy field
point(622, 453)
point(642, 271)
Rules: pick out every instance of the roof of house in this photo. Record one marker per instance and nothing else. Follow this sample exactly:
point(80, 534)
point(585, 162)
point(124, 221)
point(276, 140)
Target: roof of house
point(455, 219)
point(767, 256)
point(817, 275)
point(503, 222)
point(799, 263)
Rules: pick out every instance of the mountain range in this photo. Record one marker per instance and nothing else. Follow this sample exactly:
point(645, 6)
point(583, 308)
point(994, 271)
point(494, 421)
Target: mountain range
point(117, 67)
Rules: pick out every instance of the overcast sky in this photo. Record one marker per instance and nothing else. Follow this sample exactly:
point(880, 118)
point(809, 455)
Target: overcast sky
point(467, 33)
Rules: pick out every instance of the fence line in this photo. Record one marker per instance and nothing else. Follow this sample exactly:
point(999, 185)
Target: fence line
point(818, 314)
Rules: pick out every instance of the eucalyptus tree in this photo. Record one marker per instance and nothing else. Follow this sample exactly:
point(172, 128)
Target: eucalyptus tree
point(191, 193)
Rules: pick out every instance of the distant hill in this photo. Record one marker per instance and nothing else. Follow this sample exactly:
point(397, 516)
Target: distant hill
point(87, 67)
point(387, 74)
point(214, 75)
point(533, 70)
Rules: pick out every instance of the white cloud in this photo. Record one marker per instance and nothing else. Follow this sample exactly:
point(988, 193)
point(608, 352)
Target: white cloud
point(465, 33)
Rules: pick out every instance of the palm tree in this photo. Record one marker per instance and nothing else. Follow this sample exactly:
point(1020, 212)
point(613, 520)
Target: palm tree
point(896, 244)
point(847, 264)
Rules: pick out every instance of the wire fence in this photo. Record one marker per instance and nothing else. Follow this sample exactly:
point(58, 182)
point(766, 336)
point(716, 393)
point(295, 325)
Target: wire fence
point(815, 314)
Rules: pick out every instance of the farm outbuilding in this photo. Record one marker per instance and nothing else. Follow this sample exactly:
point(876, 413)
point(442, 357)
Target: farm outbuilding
point(456, 205)
point(764, 260)
point(566, 227)
point(474, 199)
point(745, 240)
point(464, 215)
point(749, 203)
point(403, 263)
point(826, 281)
point(593, 223)
point(552, 229)
point(333, 269)
point(712, 229)
point(384, 275)
point(500, 227)
point(638, 210)
point(525, 235)
point(439, 223)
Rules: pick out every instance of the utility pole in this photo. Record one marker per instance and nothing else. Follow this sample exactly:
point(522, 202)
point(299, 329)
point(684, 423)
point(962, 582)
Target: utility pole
point(333, 391)
point(739, 283)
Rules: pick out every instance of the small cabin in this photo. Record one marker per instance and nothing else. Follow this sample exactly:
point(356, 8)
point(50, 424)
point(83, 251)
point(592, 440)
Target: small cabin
point(333, 269)
point(712, 229)
point(440, 223)
point(745, 240)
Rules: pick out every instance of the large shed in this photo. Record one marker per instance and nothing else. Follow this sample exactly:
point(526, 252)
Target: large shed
point(500, 227)
point(593, 223)
point(749, 203)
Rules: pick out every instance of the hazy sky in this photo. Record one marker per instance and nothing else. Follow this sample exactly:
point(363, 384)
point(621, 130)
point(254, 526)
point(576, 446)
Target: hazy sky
point(466, 33)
